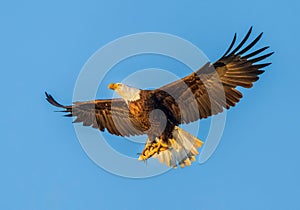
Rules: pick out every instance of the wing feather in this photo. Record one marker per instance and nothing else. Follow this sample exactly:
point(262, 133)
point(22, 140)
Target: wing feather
point(213, 86)
point(112, 115)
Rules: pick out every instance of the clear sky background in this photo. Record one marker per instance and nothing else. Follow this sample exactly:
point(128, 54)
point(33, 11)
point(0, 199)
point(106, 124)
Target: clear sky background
point(43, 46)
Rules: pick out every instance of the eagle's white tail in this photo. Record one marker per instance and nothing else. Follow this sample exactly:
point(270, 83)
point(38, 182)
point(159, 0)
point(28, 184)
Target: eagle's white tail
point(180, 150)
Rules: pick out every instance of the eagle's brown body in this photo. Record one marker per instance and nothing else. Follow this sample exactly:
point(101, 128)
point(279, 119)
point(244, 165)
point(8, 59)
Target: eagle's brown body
point(159, 112)
point(155, 116)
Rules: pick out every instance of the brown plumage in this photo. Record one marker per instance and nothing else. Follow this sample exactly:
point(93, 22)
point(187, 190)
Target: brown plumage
point(159, 112)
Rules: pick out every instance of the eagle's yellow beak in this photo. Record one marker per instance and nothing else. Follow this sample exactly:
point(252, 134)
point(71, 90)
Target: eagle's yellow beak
point(112, 86)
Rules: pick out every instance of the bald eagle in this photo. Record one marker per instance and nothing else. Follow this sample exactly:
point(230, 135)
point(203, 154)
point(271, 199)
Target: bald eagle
point(159, 112)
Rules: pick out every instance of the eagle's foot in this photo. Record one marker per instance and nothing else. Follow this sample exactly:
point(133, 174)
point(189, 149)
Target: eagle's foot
point(151, 149)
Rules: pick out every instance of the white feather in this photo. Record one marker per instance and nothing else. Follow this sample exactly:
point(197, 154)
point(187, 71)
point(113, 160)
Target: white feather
point(128, 93)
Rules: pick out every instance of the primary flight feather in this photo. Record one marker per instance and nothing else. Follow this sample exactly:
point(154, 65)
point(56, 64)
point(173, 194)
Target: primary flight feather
point(158, 113)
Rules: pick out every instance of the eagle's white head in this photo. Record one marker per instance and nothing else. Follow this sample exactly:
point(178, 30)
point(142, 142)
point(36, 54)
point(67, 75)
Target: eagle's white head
point(126, 92)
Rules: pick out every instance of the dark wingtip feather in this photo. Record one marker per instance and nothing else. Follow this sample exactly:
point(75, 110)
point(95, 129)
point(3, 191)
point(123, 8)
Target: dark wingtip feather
point(242, 42)
point(251, 44)
point(255, 52)
point(254, 60)
point(260, 66)
point(230, 46)
point(52, 101)
point(68, 115)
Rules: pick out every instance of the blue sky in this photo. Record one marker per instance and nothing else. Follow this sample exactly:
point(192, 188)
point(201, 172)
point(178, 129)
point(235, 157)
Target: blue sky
point(44, 45)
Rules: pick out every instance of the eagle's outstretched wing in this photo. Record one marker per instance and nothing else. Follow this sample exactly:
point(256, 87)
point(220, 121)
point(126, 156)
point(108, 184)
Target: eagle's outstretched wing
point(110, 114)
point(213, 87)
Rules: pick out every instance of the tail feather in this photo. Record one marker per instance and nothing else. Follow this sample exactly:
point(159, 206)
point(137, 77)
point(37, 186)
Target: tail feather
point(180, 150)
